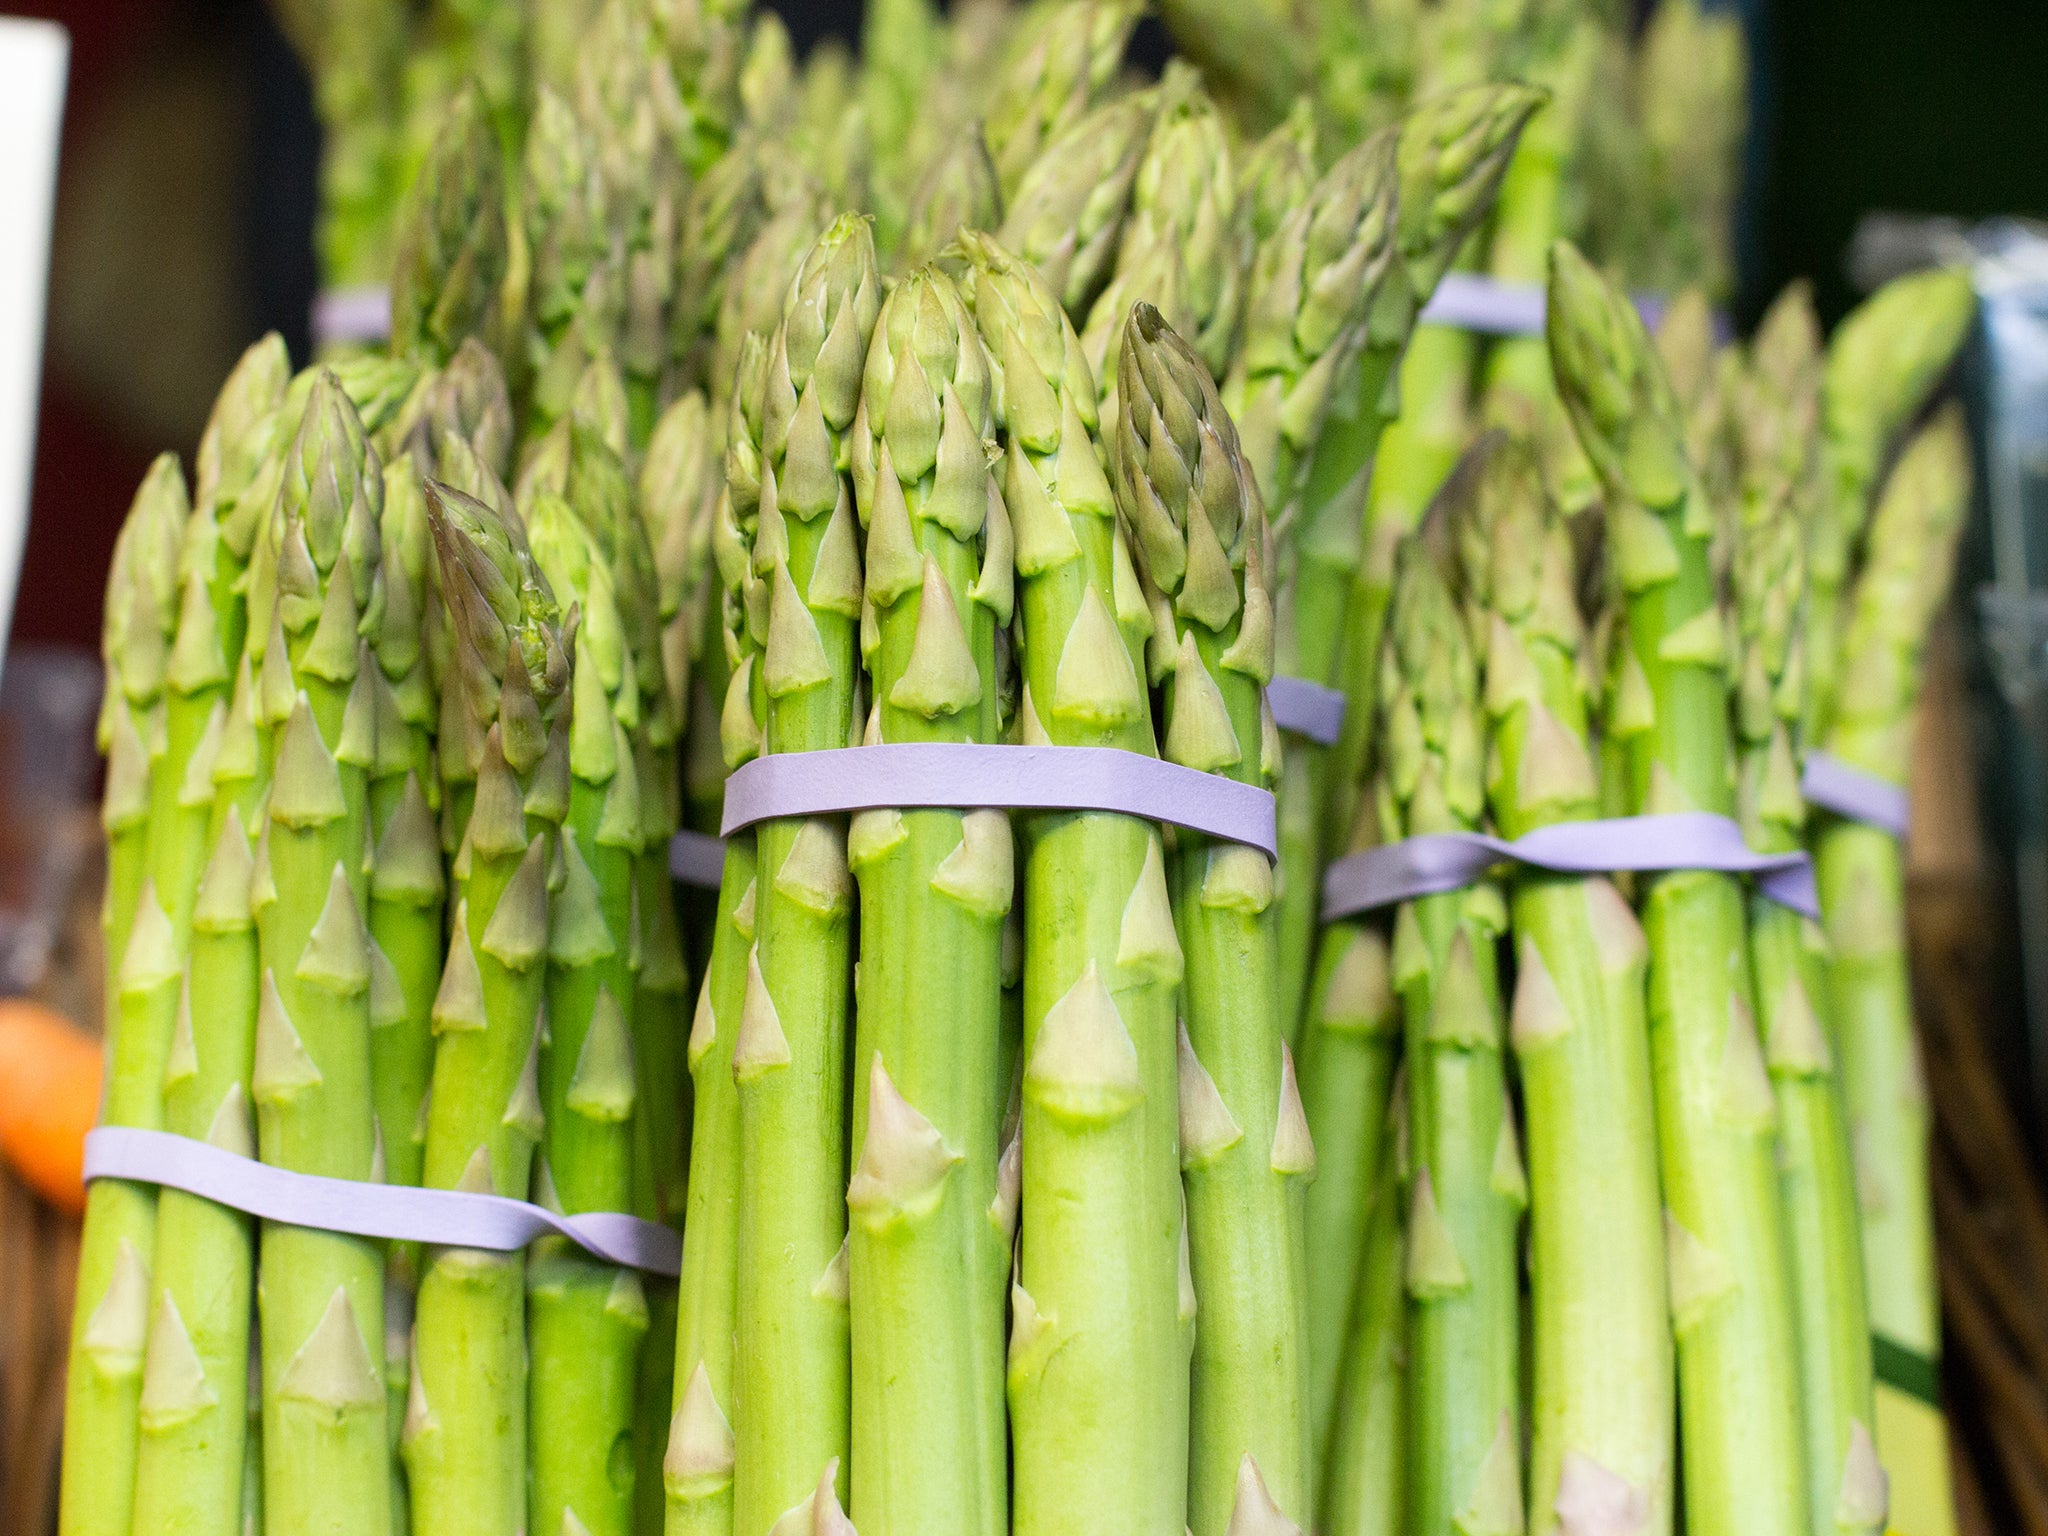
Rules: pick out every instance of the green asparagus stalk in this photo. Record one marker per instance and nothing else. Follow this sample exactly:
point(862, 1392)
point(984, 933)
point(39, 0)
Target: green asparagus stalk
point(1183, 248)
point(1883, 363)
point(1098, 1363)
point(1907, 566)
point(1306, 315)
point(1693, 97)
point(1741, 1439)
point(929, 1244)
point(450, 266)
point(111, 1317)
point(1452, 154)
point(576, 290)
point(1201, 538)
point(1067, 213)
point(1600, 1351)
point(697, 1469)
point(193, 1411)
point(465, 1440)
point(790, 1054)
point(903, 49)
point(958, 191)
point(1066, 65)
point(1364, 1491)
point(320, 1307)
point(586, 1318)
point(1468, 1188)
point(1350, 1042)
point(1776, 417)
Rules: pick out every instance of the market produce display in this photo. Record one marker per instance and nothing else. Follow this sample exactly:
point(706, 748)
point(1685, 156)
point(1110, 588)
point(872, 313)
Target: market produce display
point(1033, 1168)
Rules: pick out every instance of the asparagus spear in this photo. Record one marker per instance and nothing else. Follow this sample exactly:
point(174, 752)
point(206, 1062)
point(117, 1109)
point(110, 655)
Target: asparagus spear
point(1364, 1489)
point(111, 1317)
point(1097, 1364)
point(1452, 154)
point(958, 191)
point(587, 1318)
point(1907, 566)
point(1306, 312)
point(1068, 209)
point(697, 1470)
point(1600, 1350)
point(930, 1237)
point(1350, 1042)
point(320, 1307)
point(790, 1054)
point(193, 1411)
point(1468, 1189)
point(1776, 417)
point(1184, 248)
point(451, 257)
point(1692, 95)
point(1065, 66)
point(1200, 533)
point(1741, 1436)
point(465, 1432)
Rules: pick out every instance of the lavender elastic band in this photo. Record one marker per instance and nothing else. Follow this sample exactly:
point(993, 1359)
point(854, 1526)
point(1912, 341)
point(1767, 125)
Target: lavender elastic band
point(695, 859)
point(350, 315)
point(1450, 861)
point(1474, 303)
point(1307, 709)
point(1833, 785)
point(445, 1217)
point(968, 776)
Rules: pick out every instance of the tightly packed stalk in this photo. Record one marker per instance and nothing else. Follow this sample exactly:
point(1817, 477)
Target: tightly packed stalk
point(697, 1466)
point(111, 1318)
point(1453, 155)
point(1100, 1303)
point(1201, 540)
point(1307, 304)
point(1741, 1439)
point(320, 1307)
point(1467, 1187)
point(1908, 562)
point(791, 1351)
point(932, 1218)
point(465, 1436)
point(190, 1463)
point(1775, 419)
point(1600, 1349)
point(1364, 1463)
point(586, 1319)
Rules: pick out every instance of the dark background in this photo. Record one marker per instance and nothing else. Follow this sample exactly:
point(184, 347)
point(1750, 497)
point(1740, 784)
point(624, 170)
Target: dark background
point(185, 207)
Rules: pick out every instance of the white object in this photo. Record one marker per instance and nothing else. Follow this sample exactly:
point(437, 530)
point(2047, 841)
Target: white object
point(35, 58)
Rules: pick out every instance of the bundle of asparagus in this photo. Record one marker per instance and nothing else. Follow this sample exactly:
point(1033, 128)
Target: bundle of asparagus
point(396, 753)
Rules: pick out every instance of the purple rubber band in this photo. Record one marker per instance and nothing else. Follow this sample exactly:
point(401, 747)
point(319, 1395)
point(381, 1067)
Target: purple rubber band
point(1307, 709)
point(445, 1217)
point(1833, 785)
point(1471, 302)
point(1450, 861)
point(968, 776)
point(695, 859)
point(345, 316)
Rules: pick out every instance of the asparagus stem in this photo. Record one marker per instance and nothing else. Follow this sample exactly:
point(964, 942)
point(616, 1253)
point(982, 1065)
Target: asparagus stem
point(466, 1431)
point(587, 1318)
point(326, 1453)
point(1464, 1394)
point(1601, 1402)
point(1905, 579)
point(1201, 538)
point(1349, 1045)
point(1741, 1437)
point(111, 1316)
point(1097, 1363)
point(1364, 1490)
point(930, 1237)
point(791, 1351)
